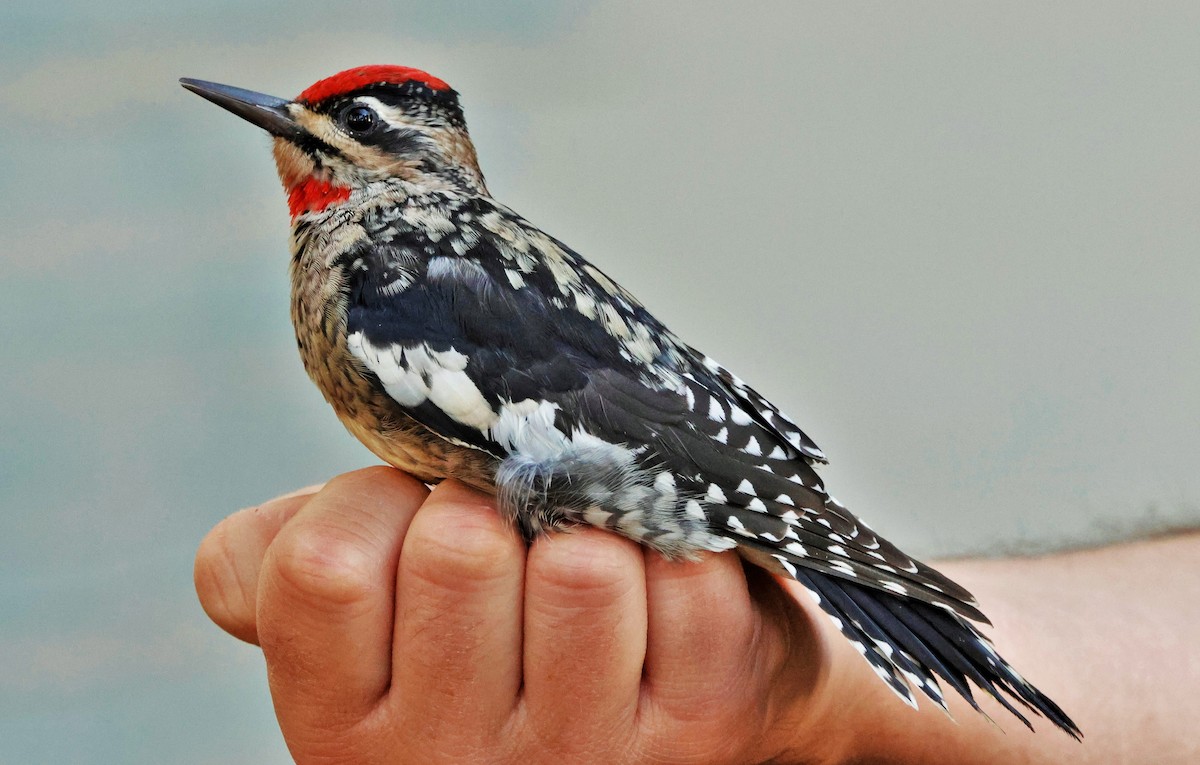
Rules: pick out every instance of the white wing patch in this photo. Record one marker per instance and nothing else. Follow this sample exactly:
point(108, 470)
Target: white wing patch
point(527, 427)
point(414, 375)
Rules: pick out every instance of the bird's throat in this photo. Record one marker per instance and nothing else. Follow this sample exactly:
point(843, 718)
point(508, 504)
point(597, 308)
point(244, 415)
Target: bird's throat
point(307, 191)
point(313, 195)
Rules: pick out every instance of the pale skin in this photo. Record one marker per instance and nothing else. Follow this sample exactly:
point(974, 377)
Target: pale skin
point(403, 626)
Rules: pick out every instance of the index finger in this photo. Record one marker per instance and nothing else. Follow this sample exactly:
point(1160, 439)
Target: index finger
point(327, 599)
point(230, 557)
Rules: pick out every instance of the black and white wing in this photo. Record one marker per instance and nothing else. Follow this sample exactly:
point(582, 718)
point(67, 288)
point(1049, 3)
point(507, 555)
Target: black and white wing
point(498, 338)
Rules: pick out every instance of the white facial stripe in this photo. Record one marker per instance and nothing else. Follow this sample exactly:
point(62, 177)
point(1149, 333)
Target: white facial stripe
point(396, 118)
point(364, 158)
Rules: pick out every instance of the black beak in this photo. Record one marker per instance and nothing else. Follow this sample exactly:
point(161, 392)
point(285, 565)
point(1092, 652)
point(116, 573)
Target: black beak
point(268, 112)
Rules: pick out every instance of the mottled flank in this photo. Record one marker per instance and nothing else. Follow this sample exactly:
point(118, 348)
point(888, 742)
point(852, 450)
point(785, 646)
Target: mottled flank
point(457, 339)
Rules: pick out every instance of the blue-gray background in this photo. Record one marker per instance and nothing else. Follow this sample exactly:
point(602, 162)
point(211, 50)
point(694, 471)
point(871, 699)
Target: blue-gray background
point(958, 243)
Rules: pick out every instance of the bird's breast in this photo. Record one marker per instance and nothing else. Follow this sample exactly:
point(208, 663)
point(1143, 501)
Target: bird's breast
point(319, 305)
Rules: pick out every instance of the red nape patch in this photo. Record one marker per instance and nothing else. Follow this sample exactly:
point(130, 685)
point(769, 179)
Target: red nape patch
point(362, 76)
point(313, 196)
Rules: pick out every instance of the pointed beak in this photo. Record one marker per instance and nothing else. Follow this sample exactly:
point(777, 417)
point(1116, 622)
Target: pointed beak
point(268, 112)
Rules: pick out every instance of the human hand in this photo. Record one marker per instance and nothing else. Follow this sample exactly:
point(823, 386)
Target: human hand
point(401, 626)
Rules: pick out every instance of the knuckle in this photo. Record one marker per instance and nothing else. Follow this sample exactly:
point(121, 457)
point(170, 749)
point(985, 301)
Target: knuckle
point(546, 738)
point(458, 548)
point(706, 721)
point(326, 566)
point(698, 701)
point(708, 733)
point(375, 476)
point(701, 746)
point(585, 565)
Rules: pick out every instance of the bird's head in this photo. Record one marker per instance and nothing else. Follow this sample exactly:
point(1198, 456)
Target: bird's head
point(360, 127)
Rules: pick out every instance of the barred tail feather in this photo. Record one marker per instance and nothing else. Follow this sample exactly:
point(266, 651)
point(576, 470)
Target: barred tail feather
point(964, 643)
point(912, 643)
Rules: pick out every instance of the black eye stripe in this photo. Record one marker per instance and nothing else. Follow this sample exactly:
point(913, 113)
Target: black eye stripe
point(314, 147)
point(412, 98)
point(399, 140)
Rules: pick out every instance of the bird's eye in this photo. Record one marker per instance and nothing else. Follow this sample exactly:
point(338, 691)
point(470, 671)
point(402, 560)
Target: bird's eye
point(359, 119)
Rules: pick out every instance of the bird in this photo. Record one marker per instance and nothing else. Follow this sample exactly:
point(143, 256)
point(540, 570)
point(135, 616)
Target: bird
point(456, 339)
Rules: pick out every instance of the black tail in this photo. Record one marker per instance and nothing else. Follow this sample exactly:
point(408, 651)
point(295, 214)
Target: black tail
point(907, 639)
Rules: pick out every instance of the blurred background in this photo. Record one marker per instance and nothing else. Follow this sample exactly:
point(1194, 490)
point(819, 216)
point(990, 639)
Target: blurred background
point(958, 243)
